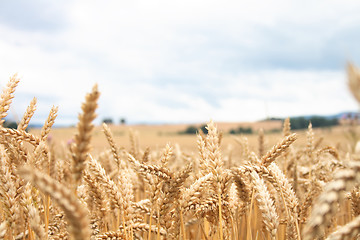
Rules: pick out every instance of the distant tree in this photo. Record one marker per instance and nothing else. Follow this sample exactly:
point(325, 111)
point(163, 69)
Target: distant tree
point(232, 131)
point(122, 121)
point(10, 124)
point(247, 130)
point(204, 129)
point(324, 122)
point(274, 119)
point(241, 130)
point(299, 123)
point(107, 121)
point(274, 130)
point(190, 130)
point(194, 130)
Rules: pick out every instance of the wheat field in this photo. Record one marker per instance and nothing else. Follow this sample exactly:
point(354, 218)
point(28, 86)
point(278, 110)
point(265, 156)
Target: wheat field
point(107, 183)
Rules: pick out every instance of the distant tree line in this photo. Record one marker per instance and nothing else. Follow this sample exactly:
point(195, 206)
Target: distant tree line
point(10, 124)
point(194, 130)
point(296, 124)
point(241, 130)
point(316, 121)
point(109, 120)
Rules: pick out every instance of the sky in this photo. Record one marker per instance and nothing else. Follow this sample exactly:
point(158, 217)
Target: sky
point(180, 61)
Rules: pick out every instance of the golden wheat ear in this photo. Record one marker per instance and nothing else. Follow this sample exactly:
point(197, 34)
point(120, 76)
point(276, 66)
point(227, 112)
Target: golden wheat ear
point(278, 149)
point(3, 229)
point(7, 96)
point(326, 205)
point(354, 80)
point(64, 197)
point(346, 232)
point(8, 195)
point(265, 204)
point(286, 127)
point(49, 123)
point(24, 123)
point(83, 136)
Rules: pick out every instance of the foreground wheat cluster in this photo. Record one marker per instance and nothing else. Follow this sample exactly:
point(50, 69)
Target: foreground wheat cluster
point(51, 192)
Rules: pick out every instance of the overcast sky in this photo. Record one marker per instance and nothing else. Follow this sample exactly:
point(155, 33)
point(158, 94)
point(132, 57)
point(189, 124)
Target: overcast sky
point(180, 61)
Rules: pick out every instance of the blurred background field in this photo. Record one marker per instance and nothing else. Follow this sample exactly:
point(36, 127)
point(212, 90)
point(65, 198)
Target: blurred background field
point(157, 136)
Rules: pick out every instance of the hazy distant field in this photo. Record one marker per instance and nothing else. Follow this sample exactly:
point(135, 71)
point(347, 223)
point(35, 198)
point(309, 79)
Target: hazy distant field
point(157, 136)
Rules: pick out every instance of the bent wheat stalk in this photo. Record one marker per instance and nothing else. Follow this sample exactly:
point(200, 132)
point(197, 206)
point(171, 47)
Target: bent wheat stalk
point(278, 149)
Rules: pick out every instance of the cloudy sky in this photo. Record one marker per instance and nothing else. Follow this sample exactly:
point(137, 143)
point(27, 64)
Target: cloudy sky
point(180, 61)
